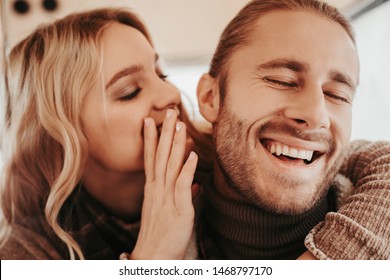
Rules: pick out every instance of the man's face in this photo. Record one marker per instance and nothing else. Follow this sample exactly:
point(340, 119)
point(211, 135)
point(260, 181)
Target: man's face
point(286, 117)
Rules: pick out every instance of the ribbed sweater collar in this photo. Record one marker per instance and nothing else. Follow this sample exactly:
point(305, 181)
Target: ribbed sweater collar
point(244, 231)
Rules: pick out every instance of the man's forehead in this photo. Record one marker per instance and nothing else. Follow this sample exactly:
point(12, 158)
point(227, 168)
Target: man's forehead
point(292, 36)
point(287, 21)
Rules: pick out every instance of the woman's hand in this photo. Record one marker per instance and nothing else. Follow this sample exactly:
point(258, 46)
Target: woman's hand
point(167, 213)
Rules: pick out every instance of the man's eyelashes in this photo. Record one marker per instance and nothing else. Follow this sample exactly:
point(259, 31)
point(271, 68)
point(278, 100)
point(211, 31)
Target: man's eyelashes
point(279, 82)
point(336, 95)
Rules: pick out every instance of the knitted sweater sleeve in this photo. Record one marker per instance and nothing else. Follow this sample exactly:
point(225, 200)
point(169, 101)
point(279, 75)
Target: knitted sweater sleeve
point(361, 227)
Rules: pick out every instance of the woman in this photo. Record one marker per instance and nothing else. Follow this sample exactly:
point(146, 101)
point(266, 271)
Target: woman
point(82, 93)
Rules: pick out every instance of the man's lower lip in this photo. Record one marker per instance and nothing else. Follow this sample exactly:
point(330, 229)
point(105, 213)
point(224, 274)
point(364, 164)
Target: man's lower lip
point(287, 159)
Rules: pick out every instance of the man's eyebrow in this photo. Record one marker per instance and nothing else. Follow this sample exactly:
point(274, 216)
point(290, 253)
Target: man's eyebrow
point(127, 71)
point(290, 64)
point(342, 78)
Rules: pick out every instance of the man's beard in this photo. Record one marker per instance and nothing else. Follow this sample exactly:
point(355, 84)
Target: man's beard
point(238, 164)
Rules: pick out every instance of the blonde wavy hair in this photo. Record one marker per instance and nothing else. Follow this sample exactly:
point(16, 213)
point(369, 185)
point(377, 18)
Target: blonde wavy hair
point(47, 76)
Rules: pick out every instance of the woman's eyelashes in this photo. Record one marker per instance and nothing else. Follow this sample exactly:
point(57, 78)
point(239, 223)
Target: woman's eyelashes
point(131, 95)
point(163, 76)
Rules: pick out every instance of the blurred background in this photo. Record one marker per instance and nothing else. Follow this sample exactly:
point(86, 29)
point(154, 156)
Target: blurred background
point(186, 32)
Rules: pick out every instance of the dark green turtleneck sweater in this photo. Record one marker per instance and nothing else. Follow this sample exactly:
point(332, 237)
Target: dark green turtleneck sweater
point(233, 230)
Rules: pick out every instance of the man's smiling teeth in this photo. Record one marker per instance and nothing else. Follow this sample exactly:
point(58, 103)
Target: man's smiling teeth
point(281, 149)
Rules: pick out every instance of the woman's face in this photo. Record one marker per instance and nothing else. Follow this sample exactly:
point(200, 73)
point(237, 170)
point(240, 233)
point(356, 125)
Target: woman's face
point(131, 88)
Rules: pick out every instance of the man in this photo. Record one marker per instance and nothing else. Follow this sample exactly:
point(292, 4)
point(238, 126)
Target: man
point(279, 95)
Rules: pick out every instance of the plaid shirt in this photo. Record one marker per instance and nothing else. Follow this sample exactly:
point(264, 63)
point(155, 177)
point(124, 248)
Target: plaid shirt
point(208, 250)
point(100, 235)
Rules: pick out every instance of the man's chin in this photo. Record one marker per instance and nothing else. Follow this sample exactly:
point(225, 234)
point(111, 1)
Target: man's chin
point(289, 202)
point(294, 206)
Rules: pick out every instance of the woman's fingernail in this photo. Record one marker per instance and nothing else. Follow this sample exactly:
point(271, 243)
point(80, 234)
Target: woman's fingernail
point(147, 122)
point(179, 126)
point(169, 114)
point(192, 156)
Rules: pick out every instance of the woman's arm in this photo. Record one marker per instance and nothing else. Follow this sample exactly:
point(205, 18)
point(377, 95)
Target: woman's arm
point(35, 242)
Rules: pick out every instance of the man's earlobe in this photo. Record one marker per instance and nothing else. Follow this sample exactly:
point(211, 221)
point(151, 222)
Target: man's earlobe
point(208, 97)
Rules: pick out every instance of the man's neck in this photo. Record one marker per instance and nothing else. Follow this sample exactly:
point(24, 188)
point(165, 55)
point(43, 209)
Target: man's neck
point(241, 230)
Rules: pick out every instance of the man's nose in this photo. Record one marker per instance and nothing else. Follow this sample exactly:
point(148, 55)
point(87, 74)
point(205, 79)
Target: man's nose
point(308, 109)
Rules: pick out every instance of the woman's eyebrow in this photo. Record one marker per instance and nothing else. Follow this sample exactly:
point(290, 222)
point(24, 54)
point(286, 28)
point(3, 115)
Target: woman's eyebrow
point(124, 72)
point(128, 71)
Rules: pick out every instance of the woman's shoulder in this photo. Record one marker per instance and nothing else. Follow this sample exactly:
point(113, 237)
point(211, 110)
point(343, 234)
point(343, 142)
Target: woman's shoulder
point(31, 243)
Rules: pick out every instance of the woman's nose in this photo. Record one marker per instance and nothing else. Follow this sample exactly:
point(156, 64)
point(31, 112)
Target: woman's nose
point(167, 96)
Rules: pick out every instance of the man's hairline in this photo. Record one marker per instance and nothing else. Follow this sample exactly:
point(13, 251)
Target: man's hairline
point(223, 76)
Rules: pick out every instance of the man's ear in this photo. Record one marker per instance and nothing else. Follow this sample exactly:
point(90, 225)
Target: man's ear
point(208, 97)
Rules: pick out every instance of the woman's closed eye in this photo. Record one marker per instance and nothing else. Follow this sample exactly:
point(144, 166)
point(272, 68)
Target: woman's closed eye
point(163, 76)
point(129, 95)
